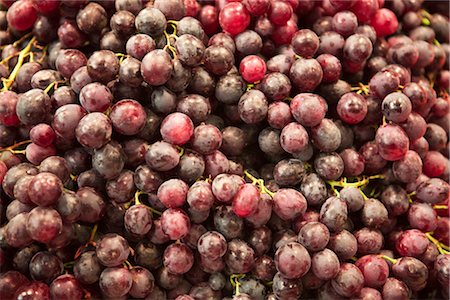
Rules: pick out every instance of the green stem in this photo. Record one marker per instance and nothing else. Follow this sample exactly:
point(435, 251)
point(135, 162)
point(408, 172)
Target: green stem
point(7, 83)
point(442, 248)
point(93, 233)
point(440, 206)
point(389, 259)
point(12, 147)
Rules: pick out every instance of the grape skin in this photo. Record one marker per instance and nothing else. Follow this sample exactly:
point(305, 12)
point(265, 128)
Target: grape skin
point(250, 149)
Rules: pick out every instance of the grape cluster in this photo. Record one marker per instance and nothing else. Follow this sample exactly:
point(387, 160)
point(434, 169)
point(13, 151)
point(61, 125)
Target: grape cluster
point(227, 149)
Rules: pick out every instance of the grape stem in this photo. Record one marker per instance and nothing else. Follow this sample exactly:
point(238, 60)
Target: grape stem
point(308, 167)
point(442, 248)
point(138, 202)
point(69, 265)
point(426, 18)
point(168, 45)
point(260, 183)
point(389, 259)
point(122, 57)
point(5, 61)
point(234, 279)
point(22, 39)
point(89, 243)
point(93, 233)
point(51, 85)
point(7, 83)
point(128, 265)
point(361, 181)
point(363, 195)
point(361, 89)
point(181, 149)
point(44, 54)
point(440, 206)
point(11, 148)
point(409, 197)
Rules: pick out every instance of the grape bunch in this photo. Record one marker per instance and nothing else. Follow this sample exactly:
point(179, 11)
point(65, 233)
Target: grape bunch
point(224, 149)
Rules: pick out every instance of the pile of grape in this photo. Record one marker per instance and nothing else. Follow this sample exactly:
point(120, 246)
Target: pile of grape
point(224, 149)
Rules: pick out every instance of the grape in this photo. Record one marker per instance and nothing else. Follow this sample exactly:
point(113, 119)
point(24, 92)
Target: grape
point(333, 214)
point(16, 234)
point(352, 108)
point(234, 18)
point(314, 236)
point(103, 66)
point(43, 224)
point(306, 74)
point(143, 282)
point(374, 269)
point(21, 15)
point(115, 282)
point(280, 13)
point(21, 188)
point(286, 288)
point(8, 103)
point(314, 189)
point(369, 240)
point(191, 166)
point(233, 140)
point(329, 166)
point(177, 128)
point(190, 50)
point(175, 223)
point(349, 280)
point(11, 282)
point(138, 220)
point(374, 213)
point(289, 204)
point(411, 242)
point(305, 43)
point(112, 250)
point(396, 107)
point(245, 201)
point(173, 193)
point(218, 60)
point(411, 271)
point(33, 106)
point(128, 117)
point(195, 107)
point(354, 162)
point(308, 109)
point(178, 259)
point(45, 266)
point(432, 191)
point(289, 172)
point(276, 86)
point(421, 216)
point(33, 290)
point(325, 264)
point(331, 67)
point(252, 68)
point(248, 42)
point(344, 244)
point(392, 142)
point(16, 207)
point(67, 283)
point(44, 189)
point(395, 200)
point(326, 135)
point(394, 288)
point(239, 257)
